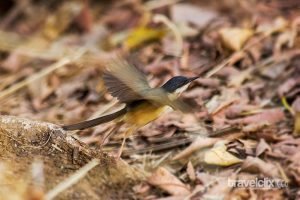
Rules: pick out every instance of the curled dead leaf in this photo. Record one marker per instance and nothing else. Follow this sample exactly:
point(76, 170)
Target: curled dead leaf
point(254, 164)
point(197, 145)
point(163, 179)
point(270, 116)
point(235, 38)
point(219, 156)
point(262, 147)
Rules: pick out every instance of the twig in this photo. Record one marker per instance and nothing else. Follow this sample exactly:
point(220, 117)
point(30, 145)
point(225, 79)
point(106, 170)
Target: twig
point(159, 147)
point(231, 59)
point(224, 131)
point(287, 106)
point(227, 61)
point(179, 41)
point(42, 73)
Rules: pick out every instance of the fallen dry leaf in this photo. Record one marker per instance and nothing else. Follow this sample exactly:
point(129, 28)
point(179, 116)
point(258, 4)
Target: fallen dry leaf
point(296, 108)
point(142, 34)
point(270, 116)
point(198, 93)
point(255, 165)
point(160, 67)
point(250, 128)
point(259, 56)
point(197, 145)
point(191, 171)
point(219, 156)
point(185, 13)
point(219, 102)
point(282, 40)
point(294, 168)
point(278, 25)
point(235, 38)
point(214, 185)
point(241, 148)
point(288, 147)
point(208, 82)
point(166, 181)
point(274, 70)
point(262, 147)
point(237, 110)
point(238, 79)
point(287, 86)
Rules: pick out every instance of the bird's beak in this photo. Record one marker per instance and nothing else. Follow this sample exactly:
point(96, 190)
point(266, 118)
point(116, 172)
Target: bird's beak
point(193, 78)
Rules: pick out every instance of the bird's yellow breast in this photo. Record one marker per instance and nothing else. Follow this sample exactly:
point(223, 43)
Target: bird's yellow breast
point(144, 113)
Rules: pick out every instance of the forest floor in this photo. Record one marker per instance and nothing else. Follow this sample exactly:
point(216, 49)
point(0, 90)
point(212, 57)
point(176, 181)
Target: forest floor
point(240, 142)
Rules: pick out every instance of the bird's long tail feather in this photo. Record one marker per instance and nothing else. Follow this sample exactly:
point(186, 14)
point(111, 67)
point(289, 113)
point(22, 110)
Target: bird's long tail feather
point(95, 122)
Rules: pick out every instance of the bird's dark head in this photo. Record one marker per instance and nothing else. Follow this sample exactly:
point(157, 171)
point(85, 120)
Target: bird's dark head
point(177, 84)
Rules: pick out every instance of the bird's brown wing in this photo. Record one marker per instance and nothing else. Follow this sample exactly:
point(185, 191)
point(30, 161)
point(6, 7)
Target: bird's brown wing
point(127, 84)
point(124, 81)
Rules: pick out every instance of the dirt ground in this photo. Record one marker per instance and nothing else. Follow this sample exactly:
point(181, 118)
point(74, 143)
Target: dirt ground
point(243, 128)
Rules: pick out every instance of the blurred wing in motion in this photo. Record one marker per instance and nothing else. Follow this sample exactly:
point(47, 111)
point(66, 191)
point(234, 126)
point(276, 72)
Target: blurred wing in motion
point(127, 84)
point(124, 81)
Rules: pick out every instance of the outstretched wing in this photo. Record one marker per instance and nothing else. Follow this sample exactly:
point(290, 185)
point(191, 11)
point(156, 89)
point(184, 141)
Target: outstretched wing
point(128, 84)
point(124, 81)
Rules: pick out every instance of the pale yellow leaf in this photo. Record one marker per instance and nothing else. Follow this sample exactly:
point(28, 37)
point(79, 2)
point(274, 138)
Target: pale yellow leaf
point(219, 156)
point(235, 38)
point(197, 145)
point(142, 34)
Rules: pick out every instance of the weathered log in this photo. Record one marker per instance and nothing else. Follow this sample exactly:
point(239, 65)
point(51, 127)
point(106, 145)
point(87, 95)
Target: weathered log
point(22, 141)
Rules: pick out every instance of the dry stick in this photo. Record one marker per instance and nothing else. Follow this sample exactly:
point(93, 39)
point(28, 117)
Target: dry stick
point(231, 59)
point(10, 41)
point(179, 41)
point(159, 147)
point(72, 179)
point(42, 73)
point(218, 68)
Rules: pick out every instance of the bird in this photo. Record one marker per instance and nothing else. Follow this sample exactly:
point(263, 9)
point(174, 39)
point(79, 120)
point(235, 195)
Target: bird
point(143, 104)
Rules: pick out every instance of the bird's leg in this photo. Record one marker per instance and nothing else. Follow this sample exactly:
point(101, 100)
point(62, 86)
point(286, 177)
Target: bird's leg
point(121, 148)
point(127, 133)
point(110, 132)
